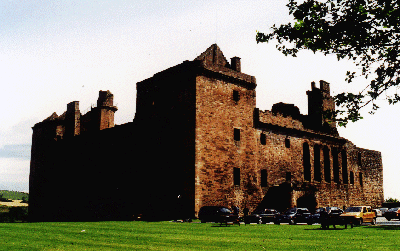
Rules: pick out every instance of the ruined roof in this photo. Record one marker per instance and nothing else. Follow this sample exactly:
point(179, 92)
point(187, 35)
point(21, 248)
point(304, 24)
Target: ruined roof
point(213, 56)
point(52, 117)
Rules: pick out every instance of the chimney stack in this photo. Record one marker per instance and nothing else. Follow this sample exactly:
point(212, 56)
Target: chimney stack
point(235, 64)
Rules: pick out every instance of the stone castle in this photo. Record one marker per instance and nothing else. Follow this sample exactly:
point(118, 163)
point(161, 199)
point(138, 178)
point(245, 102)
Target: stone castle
point(197, 139)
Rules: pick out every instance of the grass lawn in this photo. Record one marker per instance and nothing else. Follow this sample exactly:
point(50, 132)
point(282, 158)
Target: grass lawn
point(192, 236)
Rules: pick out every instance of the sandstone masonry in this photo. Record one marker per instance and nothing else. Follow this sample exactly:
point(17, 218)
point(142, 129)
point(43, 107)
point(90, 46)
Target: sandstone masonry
point(197, 139)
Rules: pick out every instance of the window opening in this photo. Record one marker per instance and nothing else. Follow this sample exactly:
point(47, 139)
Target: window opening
point(351, 177)
point(236, 134)
point(317, 163)
point(327, 165)
point(263, 139)
point(236, 95)
point(306, 162)
point(236, 176)
point(344, 167)
point(335, 159)
point(264, 178)
point(287, 143)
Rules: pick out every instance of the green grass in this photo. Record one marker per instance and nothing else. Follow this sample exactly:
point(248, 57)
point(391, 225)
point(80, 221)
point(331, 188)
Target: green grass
point(192, 236)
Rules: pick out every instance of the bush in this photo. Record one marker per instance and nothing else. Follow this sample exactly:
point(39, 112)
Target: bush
point(2, 199)
point(13, 214)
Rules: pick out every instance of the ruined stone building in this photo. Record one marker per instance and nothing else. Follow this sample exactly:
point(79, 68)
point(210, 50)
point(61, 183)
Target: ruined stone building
point(197, 139)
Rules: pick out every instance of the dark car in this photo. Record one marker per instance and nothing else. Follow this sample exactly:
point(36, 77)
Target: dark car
point(217, 214)
point(393, 213)
point(331, 212)
point(294, 216)
point(261, 216)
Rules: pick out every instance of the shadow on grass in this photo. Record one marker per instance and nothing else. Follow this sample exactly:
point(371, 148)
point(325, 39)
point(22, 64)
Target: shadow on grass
point(385, 227)
point(326, 229)
point(224, 225)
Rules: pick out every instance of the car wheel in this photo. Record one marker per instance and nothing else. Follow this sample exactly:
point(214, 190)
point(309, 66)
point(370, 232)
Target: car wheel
point(259, 221)
point(360, 222)
point(277, 223)
point(292, 222)
point(373, 221)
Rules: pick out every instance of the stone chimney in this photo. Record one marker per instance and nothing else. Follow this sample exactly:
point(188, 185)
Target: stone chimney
point(235, 64)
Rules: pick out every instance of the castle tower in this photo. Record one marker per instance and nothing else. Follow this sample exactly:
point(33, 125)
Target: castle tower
point(106, 110)
point(73, 119)
point(320, 102)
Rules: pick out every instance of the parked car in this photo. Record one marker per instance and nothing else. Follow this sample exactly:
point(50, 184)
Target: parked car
point(217, 214)
point(294, 216)
point(393, 213)
point(358, 215)
point(383, 210)
point(378, 213)
point(261, 216)
point(331, 212)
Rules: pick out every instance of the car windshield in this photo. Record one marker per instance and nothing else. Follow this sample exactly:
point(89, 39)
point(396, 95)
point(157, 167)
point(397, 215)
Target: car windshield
point(394, 209)
point(353, 209)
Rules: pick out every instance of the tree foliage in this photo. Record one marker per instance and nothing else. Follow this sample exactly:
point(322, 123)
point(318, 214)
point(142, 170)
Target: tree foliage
point(364, 31)
point(392, 200)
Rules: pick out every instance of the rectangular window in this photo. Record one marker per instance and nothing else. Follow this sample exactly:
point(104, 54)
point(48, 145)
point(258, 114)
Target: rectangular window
point(236, 176)
point(236, 95)
point(335, 159)
point(287, 143)
point(327, 164)
point(344, 167)
point(306, 162)
point(264, 178)
point(263, 139)
point(236, 134)
point(317, 163)
point(351, 177)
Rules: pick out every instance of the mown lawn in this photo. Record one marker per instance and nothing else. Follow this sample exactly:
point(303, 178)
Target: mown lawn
point(192, 236)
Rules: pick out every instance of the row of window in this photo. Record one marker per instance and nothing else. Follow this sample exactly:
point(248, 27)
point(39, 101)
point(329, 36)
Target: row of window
point(327, 165)
point(317, 163)
point(264, 177)
point(263, 138)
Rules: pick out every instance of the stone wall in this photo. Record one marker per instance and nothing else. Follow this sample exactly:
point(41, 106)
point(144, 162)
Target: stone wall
point(197, 139)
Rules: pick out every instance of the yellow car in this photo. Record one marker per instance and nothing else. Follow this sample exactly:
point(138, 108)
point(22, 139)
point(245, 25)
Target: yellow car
point(358, 215)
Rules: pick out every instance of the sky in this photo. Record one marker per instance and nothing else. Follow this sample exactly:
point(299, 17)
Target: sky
point(53, 52)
